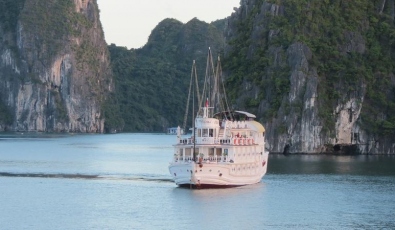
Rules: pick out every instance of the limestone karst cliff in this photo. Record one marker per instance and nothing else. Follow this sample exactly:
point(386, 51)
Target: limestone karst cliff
point(319, 74)
point(54, 66)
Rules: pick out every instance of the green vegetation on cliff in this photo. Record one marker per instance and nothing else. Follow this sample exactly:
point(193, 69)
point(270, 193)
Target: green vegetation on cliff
point(50, 22)
point(257, 67)
point(152, 82)
point(352, 44)
point(9, 13)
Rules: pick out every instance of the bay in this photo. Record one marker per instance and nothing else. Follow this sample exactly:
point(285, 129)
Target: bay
point(121, 181)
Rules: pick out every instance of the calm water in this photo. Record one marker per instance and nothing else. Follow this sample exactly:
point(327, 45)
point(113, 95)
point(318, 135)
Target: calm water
point(121, 182)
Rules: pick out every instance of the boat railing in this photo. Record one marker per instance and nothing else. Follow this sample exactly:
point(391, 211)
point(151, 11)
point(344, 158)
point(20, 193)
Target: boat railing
point(225, 141)
point(238, 124)
point(186, 141)
point(214, 159)
point(204, 140)
point(182, 159)
point(221, 141)
point(242, 141)
point(206, 160)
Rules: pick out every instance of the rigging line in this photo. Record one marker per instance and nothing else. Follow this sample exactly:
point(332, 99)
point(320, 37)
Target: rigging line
point(197, 86)
point(214, 88)
point(216, 92)
point(219, 72)
point(204, 87)
point(193, 125)
point(209, 81)
point(219, 94)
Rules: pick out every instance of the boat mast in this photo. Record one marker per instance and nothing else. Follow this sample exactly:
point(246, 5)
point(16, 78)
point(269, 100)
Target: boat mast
point(209, 85)
point(214, 88)
point(193, 123)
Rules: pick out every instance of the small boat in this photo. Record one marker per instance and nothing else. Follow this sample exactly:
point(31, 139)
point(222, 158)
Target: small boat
point(226, 148)
point(173, 131)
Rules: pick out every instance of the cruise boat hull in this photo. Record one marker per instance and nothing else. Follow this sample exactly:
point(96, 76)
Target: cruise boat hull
point(218, 174)
point(209, 174)
point(226, 148)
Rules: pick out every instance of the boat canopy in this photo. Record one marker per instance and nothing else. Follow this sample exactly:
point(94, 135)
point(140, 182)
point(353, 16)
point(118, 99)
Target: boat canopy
point(235, 115)
point(250, 115)
point(257, 126)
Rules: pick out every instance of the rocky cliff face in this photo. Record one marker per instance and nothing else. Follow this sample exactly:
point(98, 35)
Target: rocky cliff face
point(54, 66)
point(303, 122)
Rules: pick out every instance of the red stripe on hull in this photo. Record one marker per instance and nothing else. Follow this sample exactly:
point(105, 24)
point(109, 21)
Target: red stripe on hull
point(207, 186)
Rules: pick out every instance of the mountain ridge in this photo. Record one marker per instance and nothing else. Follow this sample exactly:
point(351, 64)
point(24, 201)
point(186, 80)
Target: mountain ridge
point(318, 74)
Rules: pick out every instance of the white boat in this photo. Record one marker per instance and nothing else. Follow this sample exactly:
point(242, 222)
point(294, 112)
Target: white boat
point(173, 131)
point(226, 149)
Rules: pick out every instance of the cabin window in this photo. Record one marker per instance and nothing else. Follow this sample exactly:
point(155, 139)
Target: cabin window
point(205, 133)
point(210, 132)
point(218, 152)
point(211, 152)
point(188, 152)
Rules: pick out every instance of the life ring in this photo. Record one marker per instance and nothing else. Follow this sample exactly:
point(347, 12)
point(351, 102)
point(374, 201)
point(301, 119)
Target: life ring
point(235, 142)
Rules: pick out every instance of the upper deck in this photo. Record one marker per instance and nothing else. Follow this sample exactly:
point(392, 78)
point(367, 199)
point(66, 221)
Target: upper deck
point(211, 131)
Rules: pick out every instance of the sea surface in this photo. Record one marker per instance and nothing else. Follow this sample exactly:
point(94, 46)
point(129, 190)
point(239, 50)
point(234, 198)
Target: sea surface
point(121, 181)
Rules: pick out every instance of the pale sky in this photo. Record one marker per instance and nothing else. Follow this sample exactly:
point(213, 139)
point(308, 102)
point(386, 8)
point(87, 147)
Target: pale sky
point(130, 22)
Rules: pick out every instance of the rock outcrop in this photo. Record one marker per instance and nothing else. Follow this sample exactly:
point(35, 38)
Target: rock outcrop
point(54, 66)
point(299, 124)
